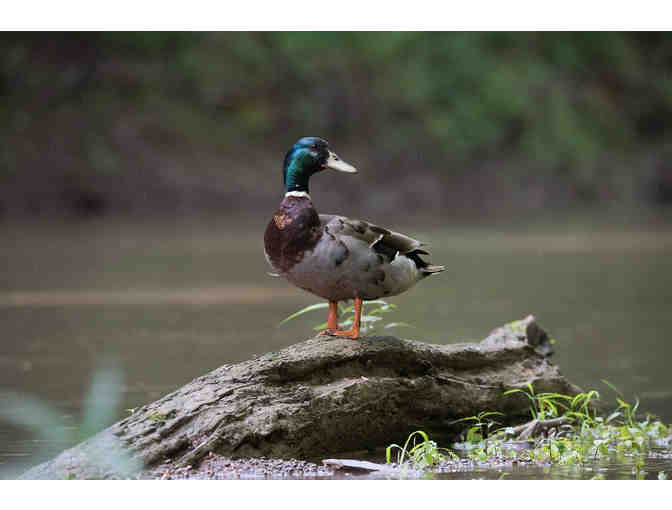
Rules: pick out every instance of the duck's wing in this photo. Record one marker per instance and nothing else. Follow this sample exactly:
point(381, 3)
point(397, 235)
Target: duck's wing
point(381, 240)
point(372, 234)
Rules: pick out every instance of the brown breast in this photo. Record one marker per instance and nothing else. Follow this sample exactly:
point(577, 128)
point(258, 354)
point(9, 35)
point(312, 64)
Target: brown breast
point(294, 229)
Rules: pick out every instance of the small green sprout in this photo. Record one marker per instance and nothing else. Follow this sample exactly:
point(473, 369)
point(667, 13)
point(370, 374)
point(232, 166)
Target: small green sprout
point(420, 455)
point(481, 428)
point(158, 417)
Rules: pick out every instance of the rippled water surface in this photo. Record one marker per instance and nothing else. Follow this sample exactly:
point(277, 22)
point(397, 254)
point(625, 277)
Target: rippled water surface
point(169, 302)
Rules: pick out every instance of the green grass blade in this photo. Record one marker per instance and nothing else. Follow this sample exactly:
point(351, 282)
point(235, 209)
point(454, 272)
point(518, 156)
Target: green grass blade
point(468, 418)
point(316, 306)
point(399, 325)
point(612, 387)
point(490, 413)
point(515, 390)
point(555, 395)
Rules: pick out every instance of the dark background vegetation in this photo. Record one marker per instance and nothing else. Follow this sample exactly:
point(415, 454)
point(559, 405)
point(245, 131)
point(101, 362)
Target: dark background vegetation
point(460, 125)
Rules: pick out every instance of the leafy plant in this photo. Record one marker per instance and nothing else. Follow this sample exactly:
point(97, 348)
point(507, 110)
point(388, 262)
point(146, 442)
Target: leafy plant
point(580, 410)
point(481, 428)
point(545, 405)
point(420, 454)
point(370, 319)
point(585, 438)
point(590, 436)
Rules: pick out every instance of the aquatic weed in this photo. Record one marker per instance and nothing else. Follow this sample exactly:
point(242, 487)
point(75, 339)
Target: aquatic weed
point(585, 437)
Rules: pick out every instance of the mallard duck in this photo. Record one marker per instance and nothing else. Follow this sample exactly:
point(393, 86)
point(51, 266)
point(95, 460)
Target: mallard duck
point(335, 257)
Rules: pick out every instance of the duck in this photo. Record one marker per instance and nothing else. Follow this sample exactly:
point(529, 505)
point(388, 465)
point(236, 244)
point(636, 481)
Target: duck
point(332, 256)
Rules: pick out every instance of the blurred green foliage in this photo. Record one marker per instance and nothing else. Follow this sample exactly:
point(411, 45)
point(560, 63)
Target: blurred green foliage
point(586, 113)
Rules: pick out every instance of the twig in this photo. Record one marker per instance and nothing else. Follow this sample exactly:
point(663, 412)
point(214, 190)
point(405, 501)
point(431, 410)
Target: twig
point(534, 427)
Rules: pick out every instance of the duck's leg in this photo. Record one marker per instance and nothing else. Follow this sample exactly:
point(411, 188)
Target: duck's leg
point(354, 332)
point(332, 321)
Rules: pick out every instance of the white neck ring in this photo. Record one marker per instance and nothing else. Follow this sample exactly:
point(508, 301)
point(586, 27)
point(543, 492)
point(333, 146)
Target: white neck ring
point(300, 194)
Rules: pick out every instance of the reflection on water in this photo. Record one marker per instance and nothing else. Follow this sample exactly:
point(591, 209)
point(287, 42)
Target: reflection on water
point(174, 301)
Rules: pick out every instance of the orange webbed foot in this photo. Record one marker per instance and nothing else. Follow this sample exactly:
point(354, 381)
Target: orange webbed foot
point(350, 333)
point(332, 322)
point(329, 332)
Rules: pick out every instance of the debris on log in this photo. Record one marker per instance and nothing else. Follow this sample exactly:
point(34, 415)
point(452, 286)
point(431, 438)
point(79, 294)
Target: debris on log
point(535, 427)
point(355, 465)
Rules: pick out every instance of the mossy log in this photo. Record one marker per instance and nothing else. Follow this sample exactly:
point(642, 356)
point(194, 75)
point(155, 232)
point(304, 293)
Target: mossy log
point(322, 397)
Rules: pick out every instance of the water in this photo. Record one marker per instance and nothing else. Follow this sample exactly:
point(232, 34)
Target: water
point(171, 301)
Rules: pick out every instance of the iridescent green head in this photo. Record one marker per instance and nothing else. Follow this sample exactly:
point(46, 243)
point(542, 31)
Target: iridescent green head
point(308, 156)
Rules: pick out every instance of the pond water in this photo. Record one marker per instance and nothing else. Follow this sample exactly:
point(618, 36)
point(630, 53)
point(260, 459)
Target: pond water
point(171, 301)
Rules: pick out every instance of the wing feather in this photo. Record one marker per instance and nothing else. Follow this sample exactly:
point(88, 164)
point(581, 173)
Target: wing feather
point(371, 234)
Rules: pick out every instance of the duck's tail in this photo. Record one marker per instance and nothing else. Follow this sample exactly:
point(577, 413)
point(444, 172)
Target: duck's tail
point(425, 267)
point(431, 269)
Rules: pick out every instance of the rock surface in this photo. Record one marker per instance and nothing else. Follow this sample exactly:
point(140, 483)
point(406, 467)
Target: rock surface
point(321, 397)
